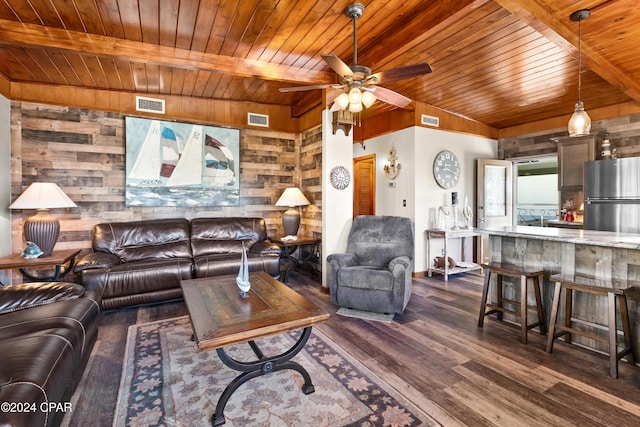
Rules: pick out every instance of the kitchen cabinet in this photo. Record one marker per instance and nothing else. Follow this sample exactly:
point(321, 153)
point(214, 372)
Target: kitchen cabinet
point(573, 152)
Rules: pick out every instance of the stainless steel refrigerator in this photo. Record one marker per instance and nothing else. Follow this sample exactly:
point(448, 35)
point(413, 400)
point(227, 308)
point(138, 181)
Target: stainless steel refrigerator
point(612, 195)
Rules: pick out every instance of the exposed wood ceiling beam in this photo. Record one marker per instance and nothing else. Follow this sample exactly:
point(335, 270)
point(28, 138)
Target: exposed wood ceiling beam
point(430, 21)
point(36, 36)
point(566, 37)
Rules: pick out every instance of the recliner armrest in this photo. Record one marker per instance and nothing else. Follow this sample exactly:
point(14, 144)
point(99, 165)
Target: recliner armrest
point(403, 261)
point(344, 260)
point(96, 260)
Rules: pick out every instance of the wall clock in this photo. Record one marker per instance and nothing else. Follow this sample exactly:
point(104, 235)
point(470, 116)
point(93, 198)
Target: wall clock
point(446, 169)
point(339, 177)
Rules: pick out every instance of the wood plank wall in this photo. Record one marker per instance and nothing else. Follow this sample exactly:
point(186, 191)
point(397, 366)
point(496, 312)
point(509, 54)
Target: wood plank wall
point(311, 180)
point(623, 133)
point(83, 151)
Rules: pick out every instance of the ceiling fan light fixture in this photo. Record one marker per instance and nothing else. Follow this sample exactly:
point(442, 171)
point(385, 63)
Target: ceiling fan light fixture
point(355, 107)
point(355, 96)
point(342, 100)
point(368, 98)
point(580, 122)
point(357, 81)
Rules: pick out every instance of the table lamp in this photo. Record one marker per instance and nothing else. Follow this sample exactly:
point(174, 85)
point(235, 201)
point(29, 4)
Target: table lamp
point(293, 198)
point(42, 228)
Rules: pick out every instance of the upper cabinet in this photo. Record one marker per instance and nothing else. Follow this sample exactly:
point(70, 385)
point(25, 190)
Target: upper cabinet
point(573, 152)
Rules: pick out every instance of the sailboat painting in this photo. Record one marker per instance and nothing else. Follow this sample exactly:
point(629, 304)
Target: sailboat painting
point(181, 164)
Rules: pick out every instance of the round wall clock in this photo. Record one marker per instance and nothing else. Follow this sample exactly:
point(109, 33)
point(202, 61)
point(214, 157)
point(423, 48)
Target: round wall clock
point(339, 177)
point(446, 169)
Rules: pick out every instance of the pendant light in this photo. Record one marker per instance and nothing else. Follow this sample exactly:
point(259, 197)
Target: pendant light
point(579, 123)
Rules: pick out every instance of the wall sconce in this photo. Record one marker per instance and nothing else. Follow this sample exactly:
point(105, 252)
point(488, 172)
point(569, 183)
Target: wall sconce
point(392, 169)
point(342, 119)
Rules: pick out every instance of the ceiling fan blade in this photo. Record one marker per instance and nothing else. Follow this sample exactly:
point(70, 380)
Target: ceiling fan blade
point(390, 97)
point(311, 87)
point(400, 73)
point(337, 65)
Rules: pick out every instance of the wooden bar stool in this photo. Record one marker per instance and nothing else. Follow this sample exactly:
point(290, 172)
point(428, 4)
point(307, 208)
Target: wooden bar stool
point(592, 286)
point(524, 274)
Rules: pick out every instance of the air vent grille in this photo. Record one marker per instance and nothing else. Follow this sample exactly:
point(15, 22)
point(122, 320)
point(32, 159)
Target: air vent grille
point(430, 120)
point(149, 105)
point(256, 119)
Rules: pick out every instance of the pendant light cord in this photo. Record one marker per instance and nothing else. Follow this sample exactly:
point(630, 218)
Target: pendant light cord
point(579, 60)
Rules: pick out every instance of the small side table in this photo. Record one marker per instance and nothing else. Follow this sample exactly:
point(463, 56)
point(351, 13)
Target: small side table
point(458, 233)
point(289, 247)
point(62, 260)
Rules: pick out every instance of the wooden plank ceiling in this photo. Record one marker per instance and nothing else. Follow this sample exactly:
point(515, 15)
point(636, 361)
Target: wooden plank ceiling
point(501, 62)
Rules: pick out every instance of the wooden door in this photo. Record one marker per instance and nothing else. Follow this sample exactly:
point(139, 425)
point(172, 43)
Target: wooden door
point(364, 185)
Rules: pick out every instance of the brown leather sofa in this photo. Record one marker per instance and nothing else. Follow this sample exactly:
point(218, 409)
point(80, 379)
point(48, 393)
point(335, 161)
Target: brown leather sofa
point(142, 262)
point(47, 331)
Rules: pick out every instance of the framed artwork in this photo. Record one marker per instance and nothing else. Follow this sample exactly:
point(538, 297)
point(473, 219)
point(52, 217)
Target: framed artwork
point(181, 164)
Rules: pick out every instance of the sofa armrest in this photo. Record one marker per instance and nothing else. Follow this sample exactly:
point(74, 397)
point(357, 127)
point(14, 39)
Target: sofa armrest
point(96, 260)
point(18, 297)
point(266, 247)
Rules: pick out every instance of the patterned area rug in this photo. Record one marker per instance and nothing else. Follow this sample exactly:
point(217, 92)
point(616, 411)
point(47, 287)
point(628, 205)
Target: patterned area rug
point(168, 381)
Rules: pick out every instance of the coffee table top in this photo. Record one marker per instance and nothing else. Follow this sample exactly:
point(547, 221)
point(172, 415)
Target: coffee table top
point(220, 317)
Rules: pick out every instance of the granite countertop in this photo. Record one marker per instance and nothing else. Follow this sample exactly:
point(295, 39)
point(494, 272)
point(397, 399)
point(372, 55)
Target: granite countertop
point(585, 237)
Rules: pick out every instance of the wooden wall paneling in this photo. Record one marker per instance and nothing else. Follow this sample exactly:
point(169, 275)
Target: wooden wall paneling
point(209, 111)
point(560, 122)
point(310, 119)
point(5, 87)
point(623, 133)
point(311, 179)
point(83, 150)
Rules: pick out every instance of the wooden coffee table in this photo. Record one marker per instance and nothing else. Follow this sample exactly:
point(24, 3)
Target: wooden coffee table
point(220, 318)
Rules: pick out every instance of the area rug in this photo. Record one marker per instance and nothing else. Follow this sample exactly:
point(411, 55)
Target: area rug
point(168, 381)
point(366, 315)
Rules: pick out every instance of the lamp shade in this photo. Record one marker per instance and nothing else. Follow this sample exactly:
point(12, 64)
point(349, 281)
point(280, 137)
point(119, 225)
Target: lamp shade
point(292, 197)
point(342, 101)
point(43, 195)
point(42, 228)
point(368, 99)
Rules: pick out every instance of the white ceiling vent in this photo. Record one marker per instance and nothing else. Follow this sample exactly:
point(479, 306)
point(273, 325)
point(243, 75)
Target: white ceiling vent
point(149, 105)
point(255, 119)
point(430, 120)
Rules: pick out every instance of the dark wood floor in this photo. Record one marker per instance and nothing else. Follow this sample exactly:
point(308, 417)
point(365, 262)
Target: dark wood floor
point(433, 353)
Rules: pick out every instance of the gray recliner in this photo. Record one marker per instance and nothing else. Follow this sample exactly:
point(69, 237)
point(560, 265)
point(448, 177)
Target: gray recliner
point(375, 273)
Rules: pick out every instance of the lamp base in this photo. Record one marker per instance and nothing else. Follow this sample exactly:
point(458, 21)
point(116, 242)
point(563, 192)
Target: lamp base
point(291, 222)
point(42, 229)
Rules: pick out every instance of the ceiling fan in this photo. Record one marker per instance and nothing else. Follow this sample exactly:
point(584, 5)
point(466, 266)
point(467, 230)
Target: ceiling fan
point(358, 84)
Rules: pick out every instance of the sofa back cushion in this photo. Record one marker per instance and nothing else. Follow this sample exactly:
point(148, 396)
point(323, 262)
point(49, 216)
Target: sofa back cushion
point(139, 240)
point(210, 236)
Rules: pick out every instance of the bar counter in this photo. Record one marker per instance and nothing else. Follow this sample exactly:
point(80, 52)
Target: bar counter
point(602, 255)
